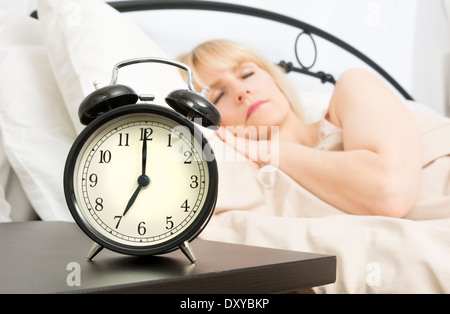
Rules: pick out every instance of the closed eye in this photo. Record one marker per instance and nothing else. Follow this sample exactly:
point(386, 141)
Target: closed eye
point(247, 75)
point(218, 98)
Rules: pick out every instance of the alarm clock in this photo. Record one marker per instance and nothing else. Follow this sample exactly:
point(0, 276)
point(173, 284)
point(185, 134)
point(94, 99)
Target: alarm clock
point(141, 179)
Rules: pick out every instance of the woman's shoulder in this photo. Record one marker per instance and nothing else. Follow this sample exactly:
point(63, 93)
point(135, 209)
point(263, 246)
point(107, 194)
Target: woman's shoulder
point(355, 90)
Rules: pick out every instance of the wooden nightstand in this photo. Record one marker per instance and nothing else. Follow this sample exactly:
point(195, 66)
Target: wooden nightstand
point(50, 257)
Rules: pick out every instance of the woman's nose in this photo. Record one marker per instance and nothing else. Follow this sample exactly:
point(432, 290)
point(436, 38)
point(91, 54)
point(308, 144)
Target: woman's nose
point(241, 94)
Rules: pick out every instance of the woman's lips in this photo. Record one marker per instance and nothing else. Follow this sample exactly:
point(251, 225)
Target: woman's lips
point(255, 106)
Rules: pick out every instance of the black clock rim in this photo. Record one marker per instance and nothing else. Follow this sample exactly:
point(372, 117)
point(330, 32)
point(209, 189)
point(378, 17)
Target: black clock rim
point(195, 227)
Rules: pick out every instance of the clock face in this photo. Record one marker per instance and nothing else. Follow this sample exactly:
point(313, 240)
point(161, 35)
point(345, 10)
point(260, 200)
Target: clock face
point(141, 182)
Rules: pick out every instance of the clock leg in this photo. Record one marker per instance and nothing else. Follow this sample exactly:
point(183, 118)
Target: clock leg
point(187, 250)
point(94, 250)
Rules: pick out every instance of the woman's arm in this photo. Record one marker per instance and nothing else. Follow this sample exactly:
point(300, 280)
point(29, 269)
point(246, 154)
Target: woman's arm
point(378, 173)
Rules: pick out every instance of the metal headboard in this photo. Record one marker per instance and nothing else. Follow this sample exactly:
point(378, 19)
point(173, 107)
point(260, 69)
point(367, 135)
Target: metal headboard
point(306, 29)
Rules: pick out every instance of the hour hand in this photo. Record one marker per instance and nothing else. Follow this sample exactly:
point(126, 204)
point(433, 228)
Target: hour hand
point(132, 199)
point(143, 181)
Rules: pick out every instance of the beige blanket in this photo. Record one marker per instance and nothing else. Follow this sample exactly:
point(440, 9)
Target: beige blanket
point(374, 254)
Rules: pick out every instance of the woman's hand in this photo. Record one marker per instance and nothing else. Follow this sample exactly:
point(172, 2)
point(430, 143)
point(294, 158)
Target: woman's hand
point(257, 152)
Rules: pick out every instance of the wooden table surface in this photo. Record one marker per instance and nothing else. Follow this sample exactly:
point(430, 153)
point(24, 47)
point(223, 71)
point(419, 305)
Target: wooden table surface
point(50, 257)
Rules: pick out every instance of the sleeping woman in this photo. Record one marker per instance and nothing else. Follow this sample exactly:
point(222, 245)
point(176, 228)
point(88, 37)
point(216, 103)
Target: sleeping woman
point(378, 169)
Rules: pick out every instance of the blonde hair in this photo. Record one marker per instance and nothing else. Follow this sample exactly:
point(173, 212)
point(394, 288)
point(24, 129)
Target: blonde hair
point(226, 54)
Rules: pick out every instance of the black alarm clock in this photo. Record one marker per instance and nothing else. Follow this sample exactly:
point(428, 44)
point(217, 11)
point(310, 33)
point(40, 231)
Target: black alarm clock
point(141, 179)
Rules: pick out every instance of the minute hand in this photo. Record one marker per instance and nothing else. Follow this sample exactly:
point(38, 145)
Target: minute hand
point(143, 180)
point(144, 152)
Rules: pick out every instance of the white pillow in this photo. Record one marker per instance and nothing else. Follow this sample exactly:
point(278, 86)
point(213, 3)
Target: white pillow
point(36, 128)
point(314, 104)
point(5, 207)
point(86, 38)
point(34, 120)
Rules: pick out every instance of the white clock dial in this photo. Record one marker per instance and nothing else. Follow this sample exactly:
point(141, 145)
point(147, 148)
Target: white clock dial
point(111, 162)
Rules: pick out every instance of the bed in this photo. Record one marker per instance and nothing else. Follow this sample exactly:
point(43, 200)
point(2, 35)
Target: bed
point(56, 58)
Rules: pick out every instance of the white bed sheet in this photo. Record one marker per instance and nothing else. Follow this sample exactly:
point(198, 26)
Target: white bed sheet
point(374, 254)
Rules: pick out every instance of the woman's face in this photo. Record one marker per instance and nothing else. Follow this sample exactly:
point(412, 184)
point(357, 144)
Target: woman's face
point(245, 96)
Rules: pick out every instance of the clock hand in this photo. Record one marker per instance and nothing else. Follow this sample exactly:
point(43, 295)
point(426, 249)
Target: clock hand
point(144, 151)
point(132, 199)
point(142, 178)
point(143, 181)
